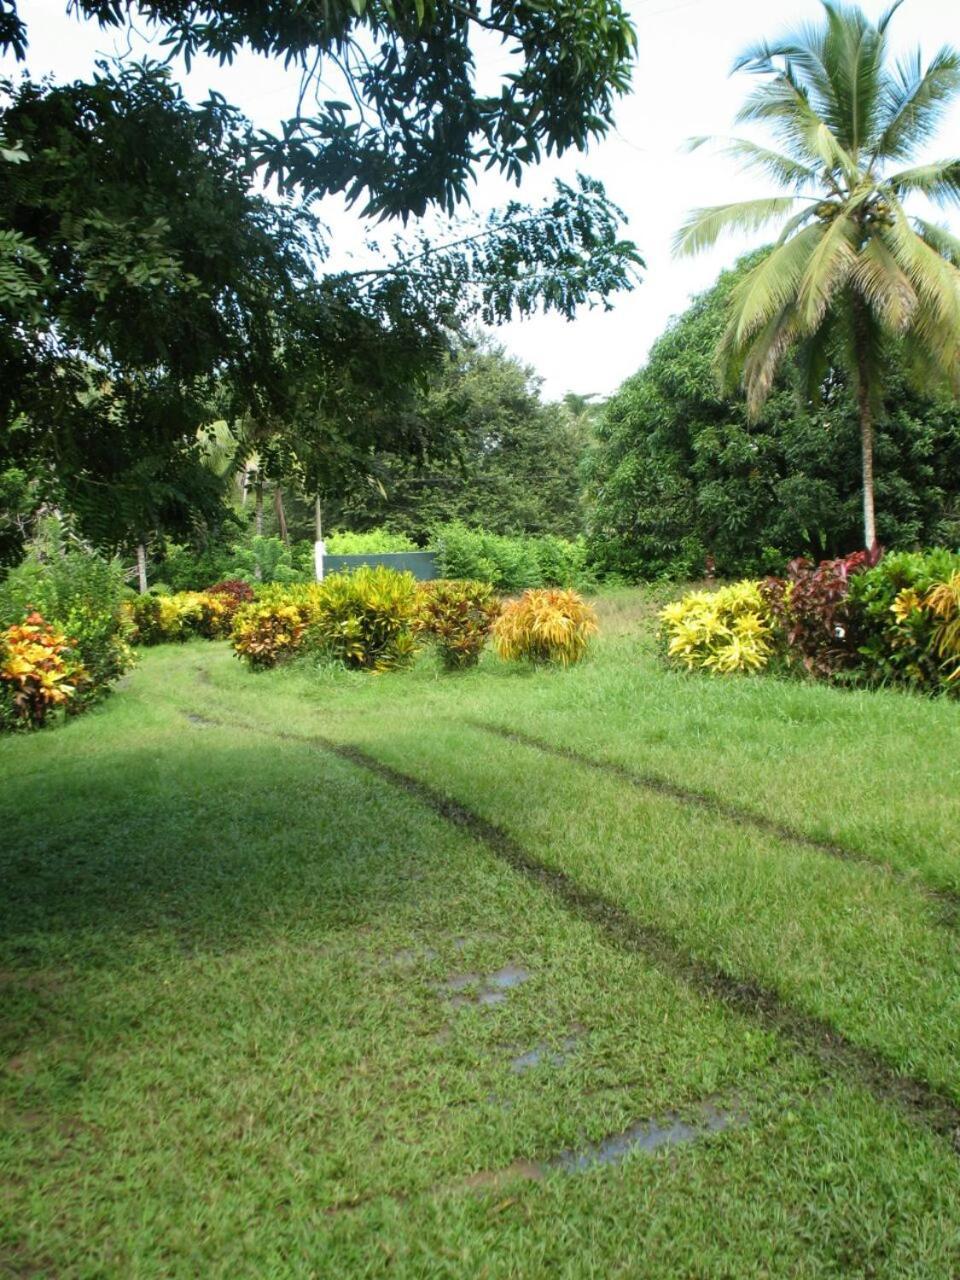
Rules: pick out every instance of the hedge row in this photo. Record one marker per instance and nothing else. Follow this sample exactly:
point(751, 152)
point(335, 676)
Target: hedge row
point(861, 619)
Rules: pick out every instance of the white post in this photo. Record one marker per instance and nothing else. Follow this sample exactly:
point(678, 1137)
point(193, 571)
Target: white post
point(319, 547)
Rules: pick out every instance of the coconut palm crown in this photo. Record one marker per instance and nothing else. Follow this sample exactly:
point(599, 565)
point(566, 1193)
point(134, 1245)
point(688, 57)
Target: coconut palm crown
point(851, 268)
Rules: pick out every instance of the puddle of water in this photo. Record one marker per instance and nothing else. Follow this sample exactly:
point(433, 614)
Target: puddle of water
point(493, 987)
point(543, 1054)
point(511, 975)
point(460, 980)
point(410, 955)
point(649, 1135)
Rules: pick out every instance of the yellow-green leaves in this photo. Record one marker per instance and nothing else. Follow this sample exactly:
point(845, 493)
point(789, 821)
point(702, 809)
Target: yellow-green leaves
point(723, 631)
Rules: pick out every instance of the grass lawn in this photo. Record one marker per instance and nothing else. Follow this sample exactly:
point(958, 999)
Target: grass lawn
point(318, 974)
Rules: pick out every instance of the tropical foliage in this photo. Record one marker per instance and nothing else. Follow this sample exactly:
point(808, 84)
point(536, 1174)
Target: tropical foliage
point(852, 269)
point(899, 609)
point(161, 619)
point(268, 632)
point(724, 631)
point(38, 673)
point(457, 617)
point(510, 564)
point(861, 619)
point(367, 619)
point(545, 626)
point(81, 595)
point(682, 473)
point(813, 611)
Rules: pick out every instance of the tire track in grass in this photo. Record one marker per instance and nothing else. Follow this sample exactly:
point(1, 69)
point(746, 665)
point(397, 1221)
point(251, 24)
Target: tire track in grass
point(918, 1099)
point(946, 900)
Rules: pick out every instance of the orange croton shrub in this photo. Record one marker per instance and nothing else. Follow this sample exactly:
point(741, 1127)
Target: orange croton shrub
point(33, 668)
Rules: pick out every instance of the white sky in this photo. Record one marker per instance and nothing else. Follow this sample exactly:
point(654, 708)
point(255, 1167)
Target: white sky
point(681, 88)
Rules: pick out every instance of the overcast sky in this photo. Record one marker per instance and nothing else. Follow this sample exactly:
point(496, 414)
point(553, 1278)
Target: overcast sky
point(681, 88)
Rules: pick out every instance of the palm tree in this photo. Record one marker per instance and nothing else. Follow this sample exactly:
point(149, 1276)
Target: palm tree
point(851, 269)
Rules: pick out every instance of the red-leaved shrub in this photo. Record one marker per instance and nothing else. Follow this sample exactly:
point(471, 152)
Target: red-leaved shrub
point(233, 591)
point(811, 611)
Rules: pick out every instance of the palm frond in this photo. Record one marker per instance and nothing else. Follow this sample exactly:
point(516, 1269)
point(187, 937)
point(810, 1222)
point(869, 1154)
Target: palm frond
point(886, 17)
point(785, 106)
point(830, 266)
point(765, 356)
point(774, 164)
point(939, 181)
point(795, 223)
point(879, 279)
point(916, 100)
point(771, 286)
point(854, 55)
point(939, 238)
point(935, 279)
point(705, 226)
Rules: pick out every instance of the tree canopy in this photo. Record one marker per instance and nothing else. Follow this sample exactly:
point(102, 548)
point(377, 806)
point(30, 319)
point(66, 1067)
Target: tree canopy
point(412, 126)
point(148, 287)
point(684, 471)
point(508, 462)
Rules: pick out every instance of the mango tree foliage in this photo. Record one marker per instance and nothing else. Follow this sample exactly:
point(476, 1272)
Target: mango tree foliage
point(147, 289)
point(684, 471)
point(409, 125)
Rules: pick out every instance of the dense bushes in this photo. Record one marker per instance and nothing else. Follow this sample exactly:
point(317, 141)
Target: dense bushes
point(371, 543)
point(267, 632)
point(721, 631)
point(78, 595)
point(812, 609)
point(545, 626)
point(366, 619)
point(39, 673)
point(510, 564)
point(160, 619)
point(457, 617)
point(895, 620)
point(373, 619)
point(902, 609)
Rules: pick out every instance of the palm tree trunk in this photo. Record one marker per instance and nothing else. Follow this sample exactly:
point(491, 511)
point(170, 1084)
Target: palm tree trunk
point(861, 343)
point(281, 513)
point(142, 568)
point(866, 450)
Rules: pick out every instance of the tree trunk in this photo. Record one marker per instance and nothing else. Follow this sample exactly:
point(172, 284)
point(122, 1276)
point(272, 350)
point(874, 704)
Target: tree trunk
point(281, 514)
point(318, 519)
point(142, 568)
point(258, 511)
point(865, 412)
point(866, 450)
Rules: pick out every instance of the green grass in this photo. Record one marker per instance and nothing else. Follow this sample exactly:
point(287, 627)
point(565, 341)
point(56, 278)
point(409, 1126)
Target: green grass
point(230, 1046)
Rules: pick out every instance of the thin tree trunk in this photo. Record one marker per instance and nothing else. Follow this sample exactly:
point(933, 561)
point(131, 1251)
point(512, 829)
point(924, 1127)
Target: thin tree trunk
point(866, 449)
point(142, 568)
point(258, 516)
point(281, 514)
point(861, 343)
